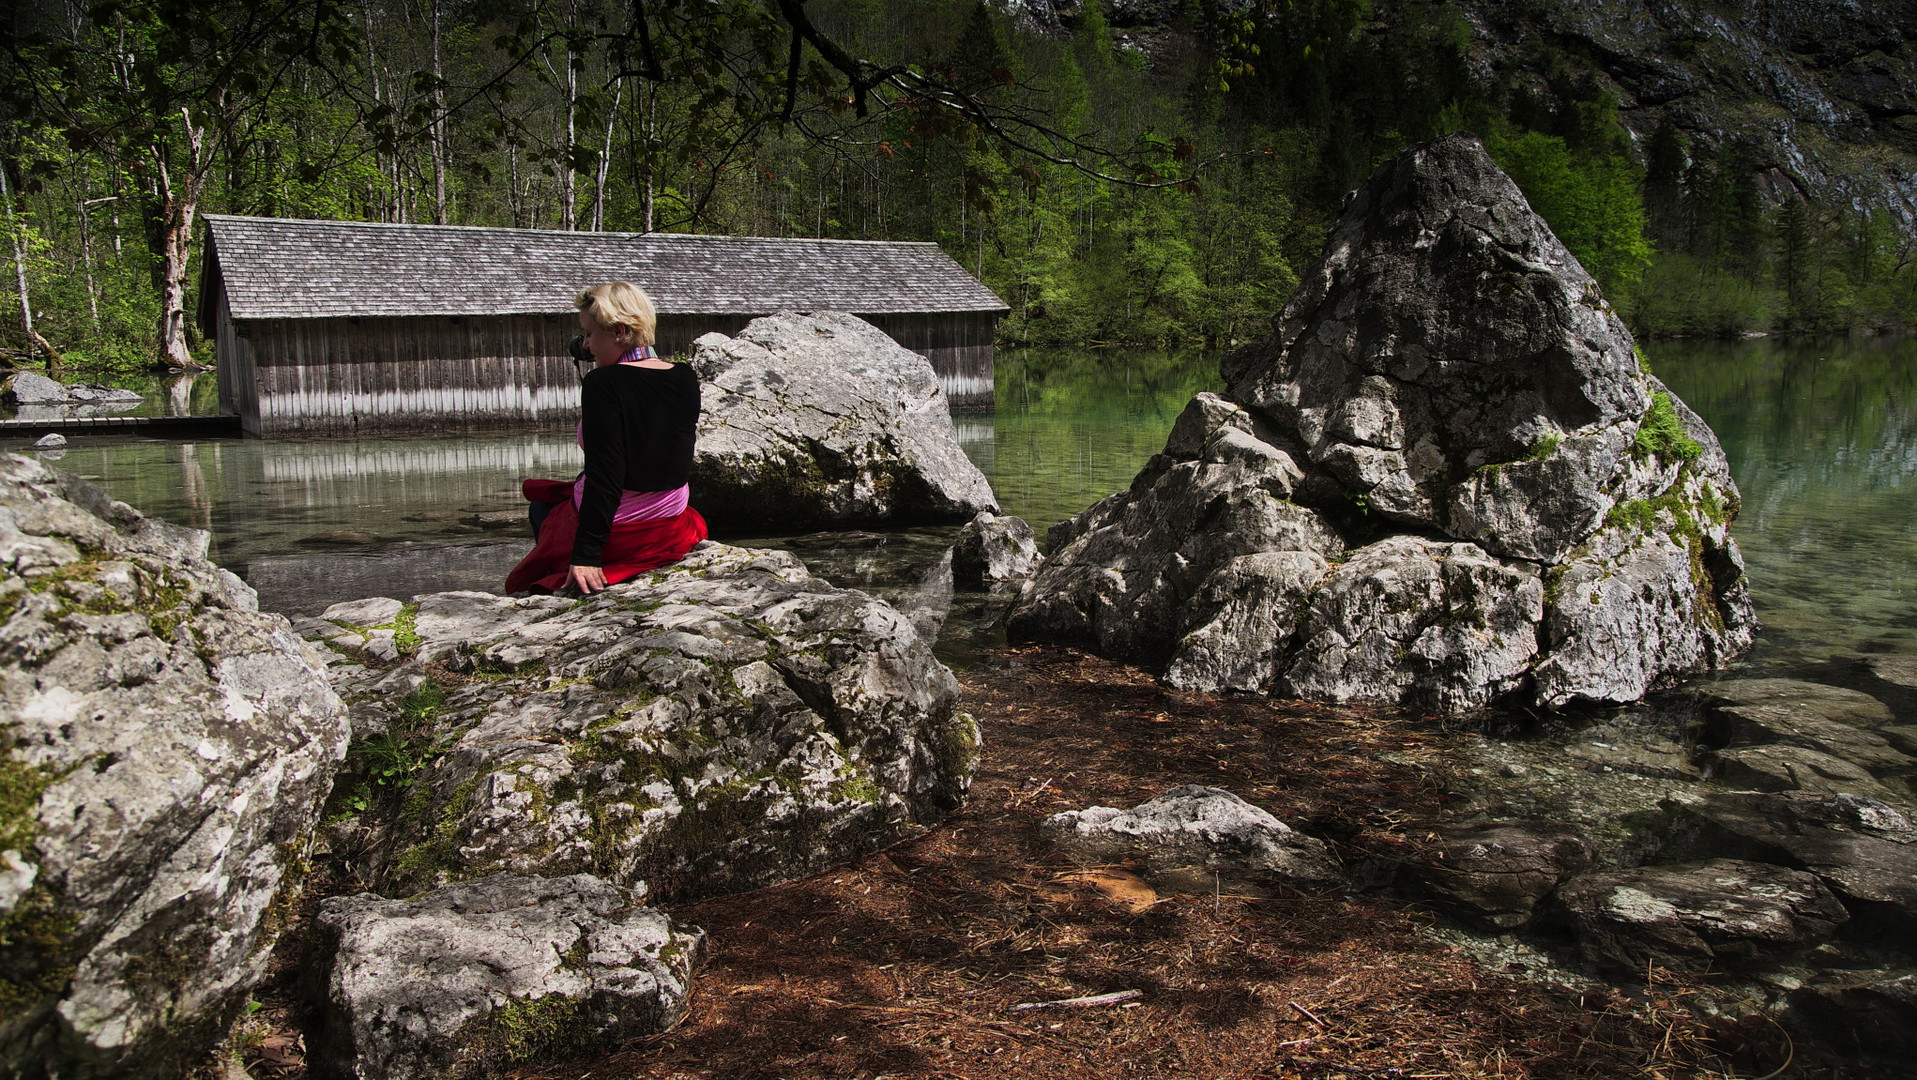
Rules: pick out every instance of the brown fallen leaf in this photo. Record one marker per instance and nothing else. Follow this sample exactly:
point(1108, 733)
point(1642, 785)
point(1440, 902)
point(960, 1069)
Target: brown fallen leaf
point(1125, 889)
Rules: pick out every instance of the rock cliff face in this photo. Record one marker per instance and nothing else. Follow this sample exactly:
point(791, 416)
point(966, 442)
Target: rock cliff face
point(1444, 480)
point(164, 749)
point(1824, 91)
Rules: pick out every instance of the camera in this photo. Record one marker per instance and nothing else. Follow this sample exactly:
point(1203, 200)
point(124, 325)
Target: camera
point(580, 354)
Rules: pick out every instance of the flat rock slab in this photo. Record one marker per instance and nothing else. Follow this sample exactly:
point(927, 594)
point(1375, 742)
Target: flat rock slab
point(1776, 767)
point(1197, 839)
point(480, 976)
point(168, 745)
point(821, 420)
point(1495, 874)
point(1863, 848)
point(1889, 677)
point(721, 724)
point(1853, 707)
point(1699, 916)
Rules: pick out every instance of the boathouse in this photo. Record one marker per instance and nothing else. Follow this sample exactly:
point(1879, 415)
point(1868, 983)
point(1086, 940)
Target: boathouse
point(346, 327)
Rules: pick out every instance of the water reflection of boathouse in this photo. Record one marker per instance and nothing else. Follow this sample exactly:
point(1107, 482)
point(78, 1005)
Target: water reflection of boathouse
point(363, 327)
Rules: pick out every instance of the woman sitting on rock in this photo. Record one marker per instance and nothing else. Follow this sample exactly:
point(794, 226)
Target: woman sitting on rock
point(638, 421)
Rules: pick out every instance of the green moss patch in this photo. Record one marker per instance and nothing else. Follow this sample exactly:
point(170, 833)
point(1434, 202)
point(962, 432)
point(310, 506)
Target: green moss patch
point(1661, 433)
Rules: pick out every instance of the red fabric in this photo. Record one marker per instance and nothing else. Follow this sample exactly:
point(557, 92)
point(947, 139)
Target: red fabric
point(631, 549)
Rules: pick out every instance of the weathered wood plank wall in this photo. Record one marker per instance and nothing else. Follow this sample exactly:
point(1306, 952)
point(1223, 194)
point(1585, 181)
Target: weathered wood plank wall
point(391, 375)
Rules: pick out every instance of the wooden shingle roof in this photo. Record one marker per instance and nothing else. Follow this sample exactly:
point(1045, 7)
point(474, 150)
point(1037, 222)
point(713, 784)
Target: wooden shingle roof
point(277, 268)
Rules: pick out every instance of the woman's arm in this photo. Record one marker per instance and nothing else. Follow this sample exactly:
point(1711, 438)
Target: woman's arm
point(603, 434)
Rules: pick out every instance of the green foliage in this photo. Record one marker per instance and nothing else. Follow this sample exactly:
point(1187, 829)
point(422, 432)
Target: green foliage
point(1592, 203)
point(1661, 433)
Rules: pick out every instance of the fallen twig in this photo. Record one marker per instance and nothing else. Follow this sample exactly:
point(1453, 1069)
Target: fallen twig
point(1094, 1001)
point(1307, 1014)
point(1302, 1064)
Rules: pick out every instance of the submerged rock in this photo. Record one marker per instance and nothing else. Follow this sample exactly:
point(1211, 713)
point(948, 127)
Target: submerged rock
point(1699, 916)
point(1864, 849)
point(823, 421)
point(1444, 481)
point(724, 723)
point(1496, 874)
point(167, 749)
point(1197, 839)
point(479, 976)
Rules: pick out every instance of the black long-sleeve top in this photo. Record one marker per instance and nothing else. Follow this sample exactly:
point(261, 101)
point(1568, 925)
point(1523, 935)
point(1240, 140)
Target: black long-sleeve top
point(638, 427)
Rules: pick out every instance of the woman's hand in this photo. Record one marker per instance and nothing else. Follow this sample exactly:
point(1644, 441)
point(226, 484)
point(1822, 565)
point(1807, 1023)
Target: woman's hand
point(588, 579)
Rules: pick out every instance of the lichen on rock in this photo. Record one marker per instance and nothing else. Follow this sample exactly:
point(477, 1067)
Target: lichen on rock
point(164, 751)
point(720, 724)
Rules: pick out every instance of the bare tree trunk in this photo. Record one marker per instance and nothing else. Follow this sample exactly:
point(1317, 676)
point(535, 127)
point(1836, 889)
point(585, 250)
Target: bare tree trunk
point(438, 130)
point(568, 176)
point(16, 231)
point(605, 159)
point(179, 203)
point(652, 112)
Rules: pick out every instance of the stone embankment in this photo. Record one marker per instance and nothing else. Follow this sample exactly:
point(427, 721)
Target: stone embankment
point(1446, 481)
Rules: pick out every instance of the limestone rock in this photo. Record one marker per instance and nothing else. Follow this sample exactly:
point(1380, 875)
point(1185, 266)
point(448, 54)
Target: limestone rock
point(36, 392)
point(1697, 916)
point(720, 724)
point(475, 977)
point(1440, 626)
point(1122, 575)
point(1447, 393)
point(52, 440)
point(168, 747)
point(993, 549)
point(1864, 849)
point(823, 421)
point(1197, 839)
point(1793, 724)
point(1892, 678)
point(1777, 767)
point(1836, 703)
point(1495, 874)
point(26, 388)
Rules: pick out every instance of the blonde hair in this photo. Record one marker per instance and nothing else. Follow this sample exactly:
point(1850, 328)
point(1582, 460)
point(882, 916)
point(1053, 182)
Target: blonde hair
point(621, 304)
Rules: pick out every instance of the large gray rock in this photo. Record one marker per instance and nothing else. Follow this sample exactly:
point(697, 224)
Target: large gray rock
point(1197, 839)
point(720, 724)
point(1699, 916)
point(1495, 874)
point(168, 746)
point(26, 388)
point(1448, 394)
point(483, 975)
point(991, 549)
point(39, 398)
point(821, 421)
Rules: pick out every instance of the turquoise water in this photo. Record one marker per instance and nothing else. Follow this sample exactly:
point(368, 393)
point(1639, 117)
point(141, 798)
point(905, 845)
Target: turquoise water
point(1822, 440)
point(1821, 435)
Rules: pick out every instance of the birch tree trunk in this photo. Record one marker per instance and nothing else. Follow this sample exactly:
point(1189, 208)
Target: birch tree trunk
point(438, 129)
point(16, 231)
point(605, 158)
point(179, 202)
point(568, 177)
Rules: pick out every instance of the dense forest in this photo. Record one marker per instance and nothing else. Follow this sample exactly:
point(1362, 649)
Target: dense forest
point(1113, 181)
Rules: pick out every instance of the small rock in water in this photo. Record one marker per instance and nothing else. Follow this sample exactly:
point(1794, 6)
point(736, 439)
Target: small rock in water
point(343, 537)
point(52, 440)
point(434, 515)
point(833, 540)
point(499, 519)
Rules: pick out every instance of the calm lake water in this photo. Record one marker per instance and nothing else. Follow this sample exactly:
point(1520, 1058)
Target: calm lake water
point(1822, 438)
